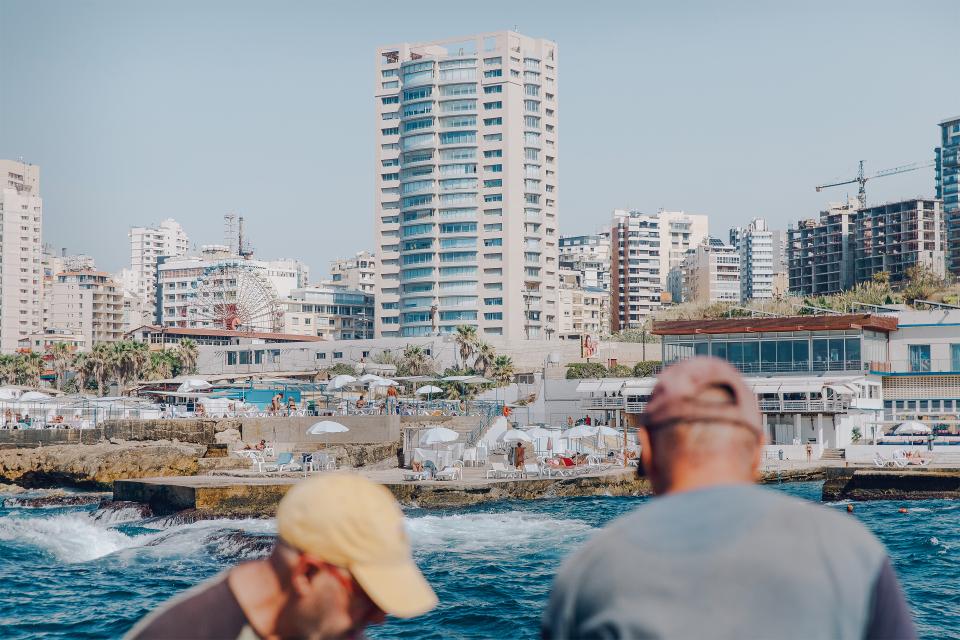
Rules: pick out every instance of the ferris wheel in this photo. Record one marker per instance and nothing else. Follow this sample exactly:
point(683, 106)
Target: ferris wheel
point(234, 297)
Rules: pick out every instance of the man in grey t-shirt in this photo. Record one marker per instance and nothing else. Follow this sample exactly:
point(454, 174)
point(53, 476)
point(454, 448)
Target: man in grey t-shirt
point(715, 556)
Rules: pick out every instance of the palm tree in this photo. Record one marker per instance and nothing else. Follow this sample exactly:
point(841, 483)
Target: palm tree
point(160, 365)
point(98, 364)
point(188, 352)
point(127, 361)
point(80, 370)
point(29, 368)
point(503, 369)
point(415, 361)
point(466, 342)
point(8, 369)
point(60, 359)
point(485, 358)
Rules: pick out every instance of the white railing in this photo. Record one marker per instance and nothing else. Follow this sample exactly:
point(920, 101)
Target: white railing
point(803, 406)
point(611, 403)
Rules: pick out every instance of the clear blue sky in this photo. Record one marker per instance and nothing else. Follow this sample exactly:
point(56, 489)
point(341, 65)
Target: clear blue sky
point(141, 110)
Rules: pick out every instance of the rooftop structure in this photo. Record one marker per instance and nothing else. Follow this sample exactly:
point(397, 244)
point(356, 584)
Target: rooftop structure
point(467, 186)
point(358, 272)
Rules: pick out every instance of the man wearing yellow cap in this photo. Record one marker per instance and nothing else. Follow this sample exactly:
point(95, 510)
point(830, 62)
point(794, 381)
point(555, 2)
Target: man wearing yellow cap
point(342, 561)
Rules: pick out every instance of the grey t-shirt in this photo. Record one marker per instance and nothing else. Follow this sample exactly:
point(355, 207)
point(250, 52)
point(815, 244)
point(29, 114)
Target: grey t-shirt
point(734, 561)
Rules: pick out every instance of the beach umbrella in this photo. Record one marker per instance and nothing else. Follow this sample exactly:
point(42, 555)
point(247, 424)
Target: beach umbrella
point(33, 395)
point(912, 428)
point(428, 390)
point(515, 435)
point(384, 382)
point(367, 378)
point(193, 384)
point(579, 432)
point(604, 430)
point(339, 382)
point(326, 426)
point(437, 436)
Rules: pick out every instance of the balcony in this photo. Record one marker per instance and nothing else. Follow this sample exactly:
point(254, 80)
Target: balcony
point(803, 406)
point(610, 403)
point(918, 366)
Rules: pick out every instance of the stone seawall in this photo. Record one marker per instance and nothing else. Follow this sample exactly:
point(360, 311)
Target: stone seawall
point(891, 484)
point(219, 497)
point(96, 466)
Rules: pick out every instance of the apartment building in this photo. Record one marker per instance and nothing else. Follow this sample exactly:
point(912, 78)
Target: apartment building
point(467, 186)
point(896, 236)
point(711, 273)
point(643, 250)
point(147, 246)
point(820, 252)
point(21, 272)
point(583, 310)
point(760, 251)
point(589, 255)
point(332, 313)
point(358, 272)
point(87, 303)
point(948, 187)
point(218, 290)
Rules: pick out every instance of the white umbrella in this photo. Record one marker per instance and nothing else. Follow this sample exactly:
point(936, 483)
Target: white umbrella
point(33, 395)
point(436, 436)
point(912, 428)
point(515, 435)
point(338, 382)
point(384, 382)
point(368, 378)
point(428, 389)
point(193, 384)
point(579, 432)
point(539, 432)
point(326, 426)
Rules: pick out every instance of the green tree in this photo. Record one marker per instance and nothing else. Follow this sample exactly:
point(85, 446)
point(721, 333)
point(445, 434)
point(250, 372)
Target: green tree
point(578, 370)
point(486, 354)
point(30, 367)
point(341, 369)
point(187, 353)
point(161, 364)
point(98, 366)
point(415, 362)
point(503, 369)
point(619, 371)
point(922, 283)
point(466, 340)
point(60, 354)
point(8, 369)
point(81, 370)
point(646, 368)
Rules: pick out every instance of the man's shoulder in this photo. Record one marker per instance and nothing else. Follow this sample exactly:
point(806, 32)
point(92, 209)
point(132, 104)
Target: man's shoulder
point(187, 614)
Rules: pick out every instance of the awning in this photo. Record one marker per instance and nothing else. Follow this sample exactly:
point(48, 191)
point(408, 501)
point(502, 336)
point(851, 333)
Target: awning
point(640, 387)
point(786, 386)
point(600, 386)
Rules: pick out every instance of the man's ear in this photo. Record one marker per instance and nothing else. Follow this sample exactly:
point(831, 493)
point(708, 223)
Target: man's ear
point(645, 460)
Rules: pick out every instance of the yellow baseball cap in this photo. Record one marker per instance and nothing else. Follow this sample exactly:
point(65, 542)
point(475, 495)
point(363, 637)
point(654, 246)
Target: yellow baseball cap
point(356, 524)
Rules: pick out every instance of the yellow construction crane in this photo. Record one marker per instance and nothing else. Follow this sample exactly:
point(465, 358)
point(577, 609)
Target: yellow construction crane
point(861, 179)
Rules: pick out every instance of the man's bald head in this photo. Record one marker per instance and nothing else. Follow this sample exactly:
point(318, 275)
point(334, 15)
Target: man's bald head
point(703, 429)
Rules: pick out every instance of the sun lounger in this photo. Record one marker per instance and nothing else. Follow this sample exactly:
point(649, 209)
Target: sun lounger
point(881, 462)
point(500, 470)
point(453, 472)
point(532, 470)
point(284, 463)
point(414, 475)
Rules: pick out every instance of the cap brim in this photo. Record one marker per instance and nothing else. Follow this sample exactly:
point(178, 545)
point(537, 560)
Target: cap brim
point(398, 589)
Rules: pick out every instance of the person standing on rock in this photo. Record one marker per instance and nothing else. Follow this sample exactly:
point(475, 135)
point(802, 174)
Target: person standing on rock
point(705, 558)
point(342, 561)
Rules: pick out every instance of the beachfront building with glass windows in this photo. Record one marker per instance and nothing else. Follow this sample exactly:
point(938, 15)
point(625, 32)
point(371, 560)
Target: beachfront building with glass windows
point(467, 187)
point(921, 378)
point(811, 374)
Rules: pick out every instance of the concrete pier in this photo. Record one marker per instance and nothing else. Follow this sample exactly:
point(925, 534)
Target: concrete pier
point(891, 484)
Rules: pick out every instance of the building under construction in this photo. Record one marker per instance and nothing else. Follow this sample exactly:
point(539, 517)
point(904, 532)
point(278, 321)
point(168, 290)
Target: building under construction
point(896, 236)
point(820, 253)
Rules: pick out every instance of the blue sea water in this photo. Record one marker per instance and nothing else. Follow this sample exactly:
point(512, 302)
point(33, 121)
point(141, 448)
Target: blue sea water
point(82, 573)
